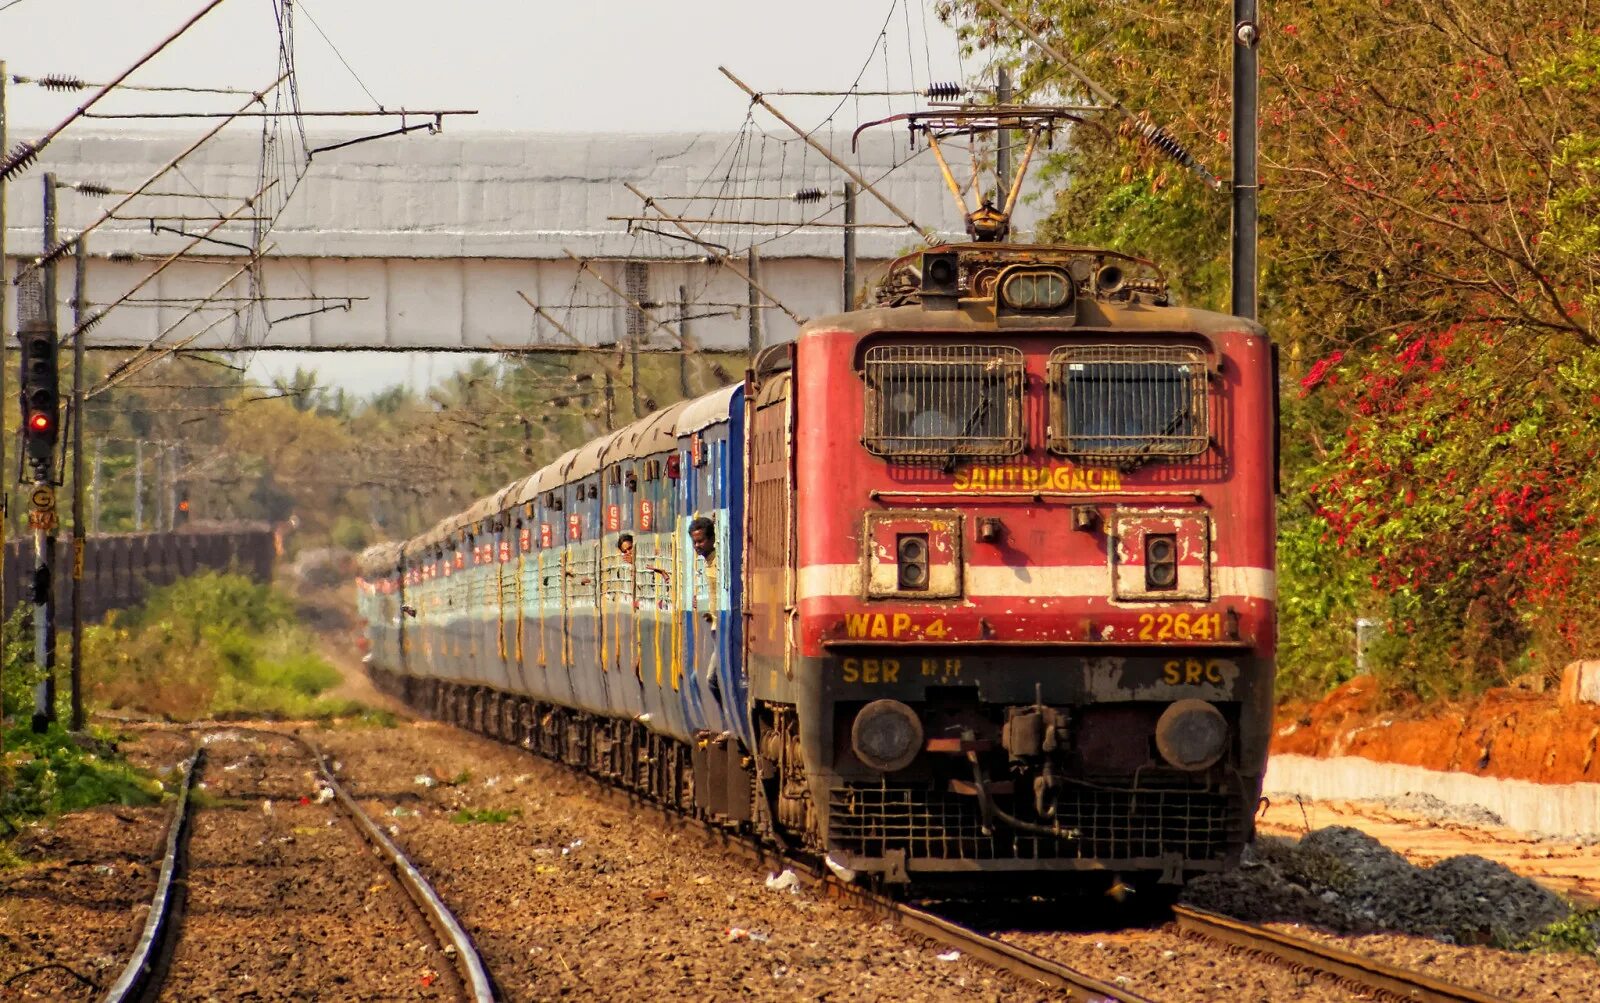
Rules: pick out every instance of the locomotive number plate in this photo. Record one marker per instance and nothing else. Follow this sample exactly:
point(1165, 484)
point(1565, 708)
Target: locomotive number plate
point(1180, 626)
point(893, 626)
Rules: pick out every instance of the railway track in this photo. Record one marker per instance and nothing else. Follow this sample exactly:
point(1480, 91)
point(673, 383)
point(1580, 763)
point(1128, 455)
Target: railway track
point(145, 975)
point(1357, 972)
point(1351, 969)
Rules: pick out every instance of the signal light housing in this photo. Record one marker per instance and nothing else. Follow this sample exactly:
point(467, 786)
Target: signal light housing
point(41, 400)
point(911, 551)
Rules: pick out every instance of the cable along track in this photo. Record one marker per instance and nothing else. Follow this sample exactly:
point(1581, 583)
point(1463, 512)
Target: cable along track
point(142, 978)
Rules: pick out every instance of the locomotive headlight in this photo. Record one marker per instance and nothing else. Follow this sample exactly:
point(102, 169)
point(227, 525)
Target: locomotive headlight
point(911, 555)
point(887, 735)
point(1035, 289)
point(1191, 735)
point(1161, 561)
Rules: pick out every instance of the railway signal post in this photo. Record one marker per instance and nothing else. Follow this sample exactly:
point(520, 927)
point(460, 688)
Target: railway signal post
point(41, 414)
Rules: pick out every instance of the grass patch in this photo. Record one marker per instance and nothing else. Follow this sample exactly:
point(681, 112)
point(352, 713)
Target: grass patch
point(52, 773)
point(485, 816)
point(49, 774)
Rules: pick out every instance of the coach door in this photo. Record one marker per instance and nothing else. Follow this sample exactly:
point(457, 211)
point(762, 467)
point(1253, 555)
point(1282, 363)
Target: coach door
point(769, 526)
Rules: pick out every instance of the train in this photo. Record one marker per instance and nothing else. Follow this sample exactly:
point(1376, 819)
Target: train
point(973, 585)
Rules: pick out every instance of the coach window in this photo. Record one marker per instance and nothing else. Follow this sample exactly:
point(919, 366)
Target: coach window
point(939, 402)
point(1127, 403)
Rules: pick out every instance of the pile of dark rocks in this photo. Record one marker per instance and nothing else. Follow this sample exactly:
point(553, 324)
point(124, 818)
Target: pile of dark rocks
point(1343, 880)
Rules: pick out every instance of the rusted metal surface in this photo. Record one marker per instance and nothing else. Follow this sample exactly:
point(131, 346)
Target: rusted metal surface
point(1355, 969)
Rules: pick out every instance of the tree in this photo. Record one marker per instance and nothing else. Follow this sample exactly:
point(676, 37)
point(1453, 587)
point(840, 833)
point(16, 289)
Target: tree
point(1430, 230)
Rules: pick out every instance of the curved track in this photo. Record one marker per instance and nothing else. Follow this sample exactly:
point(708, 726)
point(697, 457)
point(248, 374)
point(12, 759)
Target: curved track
point(141, 978)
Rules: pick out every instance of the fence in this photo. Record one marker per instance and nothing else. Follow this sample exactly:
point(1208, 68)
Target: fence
point(120, 570)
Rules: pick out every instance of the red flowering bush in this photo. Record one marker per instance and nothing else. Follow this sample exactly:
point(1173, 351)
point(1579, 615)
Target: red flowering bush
point(1461, 481)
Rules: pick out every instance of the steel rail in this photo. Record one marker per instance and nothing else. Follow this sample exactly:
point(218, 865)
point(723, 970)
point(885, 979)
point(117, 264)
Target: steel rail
point(474, 976)
point(452, 936)
point(1346, 966)
point(1021, 964)
point(135, 978)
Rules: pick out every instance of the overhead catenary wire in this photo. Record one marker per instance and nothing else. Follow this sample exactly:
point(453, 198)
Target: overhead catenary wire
point(65, 246)
point(828, 154)
point(722, 259)
point(25, 153)
point(68, 82)
point(161, 267)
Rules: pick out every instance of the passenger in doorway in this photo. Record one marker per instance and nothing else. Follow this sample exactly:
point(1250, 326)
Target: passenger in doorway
point(703, 535)
point(625, 545)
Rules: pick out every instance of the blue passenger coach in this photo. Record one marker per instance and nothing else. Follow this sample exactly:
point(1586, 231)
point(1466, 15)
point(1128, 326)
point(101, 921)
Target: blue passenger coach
point(529, 604)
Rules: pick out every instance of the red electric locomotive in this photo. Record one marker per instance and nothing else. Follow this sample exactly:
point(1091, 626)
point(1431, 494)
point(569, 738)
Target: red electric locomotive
point(1009, 584)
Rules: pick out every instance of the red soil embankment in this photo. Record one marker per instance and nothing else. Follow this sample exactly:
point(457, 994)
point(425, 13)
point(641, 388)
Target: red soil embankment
point(1503, 733)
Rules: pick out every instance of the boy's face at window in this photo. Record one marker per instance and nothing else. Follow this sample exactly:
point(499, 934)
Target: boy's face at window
point(702, 542)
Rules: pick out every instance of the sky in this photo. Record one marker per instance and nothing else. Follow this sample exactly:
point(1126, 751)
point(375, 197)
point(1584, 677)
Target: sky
point(600, 66)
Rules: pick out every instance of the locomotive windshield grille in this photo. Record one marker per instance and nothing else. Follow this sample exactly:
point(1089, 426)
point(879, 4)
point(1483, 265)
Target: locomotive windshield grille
point(1125, 403)
point(937, 402)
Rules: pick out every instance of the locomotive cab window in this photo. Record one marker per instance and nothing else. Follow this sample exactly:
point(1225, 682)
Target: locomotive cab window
point(938, 402)
point(1126, 403)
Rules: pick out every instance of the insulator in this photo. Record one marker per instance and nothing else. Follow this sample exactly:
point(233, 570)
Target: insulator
point(122, 256)
point(92, 188)
point(91, 323)
point(649, 403)
point(1159, 138)
point(719, 372)
point(19, 160)
point(807, 195)
point(944, 90)
point(61, 82)
point(55, 253)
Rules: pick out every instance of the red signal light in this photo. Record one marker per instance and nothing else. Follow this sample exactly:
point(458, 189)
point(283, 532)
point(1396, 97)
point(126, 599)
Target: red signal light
point(183, 506)
point(39, 422)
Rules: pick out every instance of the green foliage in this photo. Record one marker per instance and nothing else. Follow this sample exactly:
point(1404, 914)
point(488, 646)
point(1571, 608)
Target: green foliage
point(215, 601)
point(20, 673)
point(1578, 933)
point(366, 717)
point(485, 816)
point(1431, 260)
point(52, 773)
point(211, 645)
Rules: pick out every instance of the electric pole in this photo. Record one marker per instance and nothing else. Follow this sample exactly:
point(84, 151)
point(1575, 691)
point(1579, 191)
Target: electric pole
point(1002, 139)
point(1246, 96)
point(80, 310)
point(683, 339)
point(5, 336)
